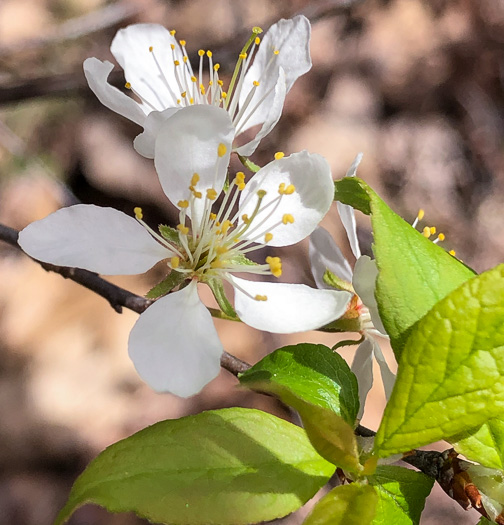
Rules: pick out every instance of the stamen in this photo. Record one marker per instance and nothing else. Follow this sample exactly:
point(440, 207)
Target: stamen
point(183, 204)
point(221, 150)
point(279, 155)
point(138, 213)
point(426, 232)
point(452, 253)
point(195, 179)
point(288, 218)
point(261, 297)
point(184, 230)
point(211, 194)
point(275, 265)
point(174, 262)
point(268, 237)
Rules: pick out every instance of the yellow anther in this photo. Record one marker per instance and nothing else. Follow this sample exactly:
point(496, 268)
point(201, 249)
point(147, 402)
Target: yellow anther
point(183, 94)
point(221, 250)
point(216, 67)
point(290, 189)
point(176, 62)
point(268, 237)
point(172, 32)
point(281, 188)
point(127, 85)
point(178, 101)
point(151, 49)
point(279, 155)
point(226, 225)
point(452, 253)
point(138, 213)
point(210, 82)
point(183, 204)
point(184, 230)
point(197, 194)
point(221, 150)
point(209, 54)
point(221, 83)
point(185, 58)
point(224, 95)
point(257, 30)
point(174, 262)
point(195, 179)
point(275, 265)
point(194, 79)
point(276, 52)
point(261, 297)
point(191, 101)
point(201, 52)
point(211, 194)
point(202, 89)
point(217, 223)
point(245, 218)
point(421, 214)
point(216, 263)
point(240, 177)
point(441, 237)
point(213, 216)
point(261, 193)
point(288, 218)
point(426, 232)
point(432, 230)
point(243, 56)
point(172, 47)
point(257, 40)
point(182, 43)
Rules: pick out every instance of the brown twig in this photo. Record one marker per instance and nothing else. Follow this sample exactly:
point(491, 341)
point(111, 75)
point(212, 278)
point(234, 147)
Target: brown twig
point(116, 296)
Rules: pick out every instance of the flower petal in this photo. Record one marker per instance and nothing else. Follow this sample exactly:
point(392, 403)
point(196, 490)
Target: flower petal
point(325, 255)
point(145, 142)
point(188, 143)
point(150, 73)
point(291, 38)
point(272, 117)
point(364, 283)
point(101, 240)
point(311, 200)
point(174, 345)
point(289, 308)
point(97, 73)
point(362, 367)
point(388, 377)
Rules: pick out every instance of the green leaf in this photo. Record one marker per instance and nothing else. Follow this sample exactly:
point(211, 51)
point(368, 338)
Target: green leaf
point(318, 384)
point(173, 279)
point(254, 168)
point(414, 273)
point(401, 495)
point(332, 280)
point(353, 504)
point(484, 444)
point(242, 260)
point(451, 374)
point(233, 466)
point(354, 192)
point(217, 287)
point(484, 521)
point(313, 373)
point(169, 233)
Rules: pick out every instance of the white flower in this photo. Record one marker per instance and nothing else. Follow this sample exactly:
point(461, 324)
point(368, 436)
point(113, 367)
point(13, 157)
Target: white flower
point(325, 255)
point(174, 345)
point(159, 73)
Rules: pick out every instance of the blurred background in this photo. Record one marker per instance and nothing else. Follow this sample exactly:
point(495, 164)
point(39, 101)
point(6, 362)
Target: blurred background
point(416, 85)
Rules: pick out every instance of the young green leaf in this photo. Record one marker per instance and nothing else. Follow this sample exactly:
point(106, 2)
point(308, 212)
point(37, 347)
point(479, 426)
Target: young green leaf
point(318, 384)
point(217, 287)
point(233, 466)
point(169, 233)
point(173, 279)
point(484, 444)
point(414, 273)
point(401, 495)
point(353, 504)
point(451, 374)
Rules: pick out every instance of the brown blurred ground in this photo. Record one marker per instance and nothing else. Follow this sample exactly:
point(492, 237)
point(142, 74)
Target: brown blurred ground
point(416, 85)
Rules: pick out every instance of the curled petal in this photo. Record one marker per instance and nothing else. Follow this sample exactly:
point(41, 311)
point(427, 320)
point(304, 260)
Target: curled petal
point(288, 308)
point(145, 142)
point(362, 367)
point(150, 73)
point(174, 345)
point(388, 377)
point(311, 176)
point(325, 255)
point(364, 283)
point(97, 73)
point(102, 240)
point(291, 38)
point(188, 143)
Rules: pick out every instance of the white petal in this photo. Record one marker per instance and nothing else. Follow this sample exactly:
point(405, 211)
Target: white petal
point(311, 176)
point(364, 283)
point(347, 215)
point(174, 345)
point(97, 73)
point(145, 142)
point(187, 143)
point(151, 74)
point(362, 367)
point(289, 308)
point(101, 240)
point(292, 39)
point(388, 377)
point(272, 116)
point(325, 255)
point(352, 170)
